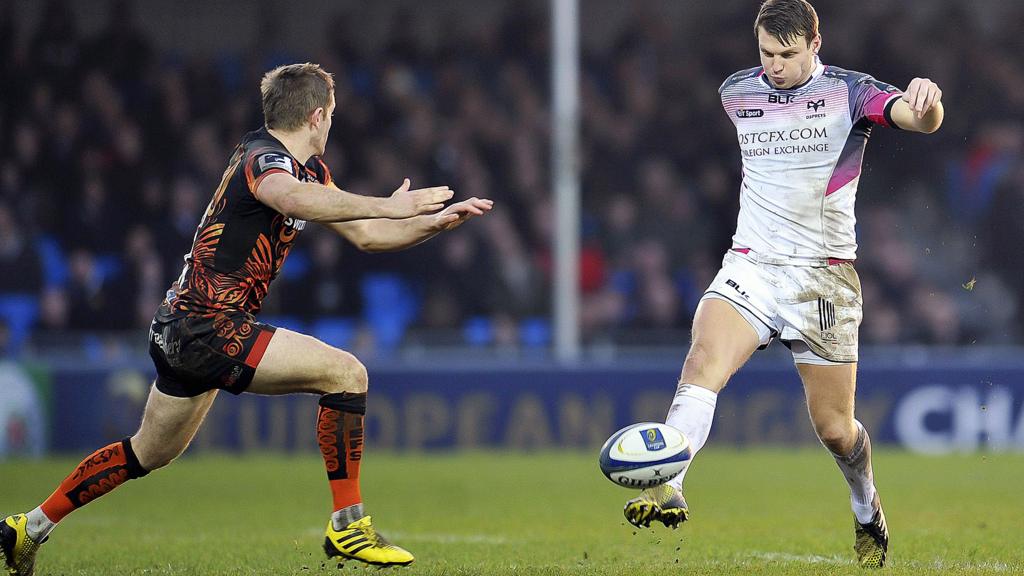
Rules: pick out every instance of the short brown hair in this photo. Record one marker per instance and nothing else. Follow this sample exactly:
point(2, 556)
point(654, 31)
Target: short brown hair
point(292, 92)
point(788, 19)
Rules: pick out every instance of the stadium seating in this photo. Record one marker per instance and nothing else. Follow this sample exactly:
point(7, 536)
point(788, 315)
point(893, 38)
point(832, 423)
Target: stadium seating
point(19, 312)
point(337, 331)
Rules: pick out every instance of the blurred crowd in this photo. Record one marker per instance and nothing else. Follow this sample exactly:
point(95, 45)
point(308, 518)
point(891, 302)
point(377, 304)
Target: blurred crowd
point(112, 147)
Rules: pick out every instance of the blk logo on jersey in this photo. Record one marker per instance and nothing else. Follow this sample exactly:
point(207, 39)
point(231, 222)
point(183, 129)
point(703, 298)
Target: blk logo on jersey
point(780, 98)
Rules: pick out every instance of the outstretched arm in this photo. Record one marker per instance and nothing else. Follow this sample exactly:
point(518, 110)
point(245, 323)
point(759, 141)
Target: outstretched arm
point(384, 235)
point(920, 108)
point(317, 203)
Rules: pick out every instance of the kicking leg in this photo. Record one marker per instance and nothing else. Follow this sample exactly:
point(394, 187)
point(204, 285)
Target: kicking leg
point(723, 340)
point(830, 402)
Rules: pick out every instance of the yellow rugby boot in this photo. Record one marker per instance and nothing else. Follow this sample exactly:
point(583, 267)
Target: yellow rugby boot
point(872, 541)
point(16, 547)
point(360, 541)
point(661, 503)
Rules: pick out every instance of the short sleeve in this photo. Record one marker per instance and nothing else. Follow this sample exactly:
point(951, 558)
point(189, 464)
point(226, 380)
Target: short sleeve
point(264, 162)
point(873, 100)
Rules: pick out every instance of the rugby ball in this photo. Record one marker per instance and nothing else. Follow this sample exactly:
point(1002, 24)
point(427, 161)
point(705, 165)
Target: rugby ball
point(644, 455)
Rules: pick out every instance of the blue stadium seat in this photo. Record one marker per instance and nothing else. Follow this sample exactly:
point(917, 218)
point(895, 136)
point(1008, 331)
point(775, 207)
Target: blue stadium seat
point(296, 266)
point(108, 265)
point(478, 331)
point(390, 305)
point(293, 323)
point(92, 347)
point(688, 289)
point(623, 281)
point(55, 266)
point(338, 331)
point(535, 332)
point(19, 312)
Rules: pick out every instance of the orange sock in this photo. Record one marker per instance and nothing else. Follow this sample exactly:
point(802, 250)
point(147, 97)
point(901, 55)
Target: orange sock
point(101, 472)
point(339, 427)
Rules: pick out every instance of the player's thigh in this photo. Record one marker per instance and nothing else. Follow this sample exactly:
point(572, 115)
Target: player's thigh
point(830, 391)
point(723, 340)
point(296, 362)
point(822, 308)
point(168, 425)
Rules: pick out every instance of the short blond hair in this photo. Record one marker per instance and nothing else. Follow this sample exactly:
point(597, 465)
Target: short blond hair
point(292, 92)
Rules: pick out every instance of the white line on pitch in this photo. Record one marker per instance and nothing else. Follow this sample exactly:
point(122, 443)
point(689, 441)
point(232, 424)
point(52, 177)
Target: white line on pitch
point(804, 558)
point(438, 538)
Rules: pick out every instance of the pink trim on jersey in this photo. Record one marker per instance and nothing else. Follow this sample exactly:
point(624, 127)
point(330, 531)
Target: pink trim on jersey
point(874, 107)
point(843, 175)
point(831, 261)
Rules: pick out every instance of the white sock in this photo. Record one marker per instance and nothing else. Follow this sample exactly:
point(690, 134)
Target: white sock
point(692, 411)
point(346, 516)
point(856, 467)
point(38, 525)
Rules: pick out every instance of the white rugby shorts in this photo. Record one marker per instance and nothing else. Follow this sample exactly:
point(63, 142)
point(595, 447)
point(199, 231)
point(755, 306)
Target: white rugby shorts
point(813, 310)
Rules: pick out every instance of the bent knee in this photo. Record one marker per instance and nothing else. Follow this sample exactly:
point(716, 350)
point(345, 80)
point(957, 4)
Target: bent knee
point(838, 437)
point(346, 374)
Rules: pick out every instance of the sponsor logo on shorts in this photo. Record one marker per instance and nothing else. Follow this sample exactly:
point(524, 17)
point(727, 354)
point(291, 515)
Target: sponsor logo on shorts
point(736, 286)
point(233, 376)
point(826, 317)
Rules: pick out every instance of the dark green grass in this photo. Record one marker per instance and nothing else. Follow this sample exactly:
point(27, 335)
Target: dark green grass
point(763, 511)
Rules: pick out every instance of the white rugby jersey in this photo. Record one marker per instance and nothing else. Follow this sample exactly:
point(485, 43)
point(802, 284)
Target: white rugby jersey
point(802, 150)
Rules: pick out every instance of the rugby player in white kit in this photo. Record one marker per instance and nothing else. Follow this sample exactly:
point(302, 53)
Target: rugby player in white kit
point(802, 127)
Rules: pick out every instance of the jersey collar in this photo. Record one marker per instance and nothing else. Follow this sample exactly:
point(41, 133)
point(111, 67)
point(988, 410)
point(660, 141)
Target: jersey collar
point(819, 69)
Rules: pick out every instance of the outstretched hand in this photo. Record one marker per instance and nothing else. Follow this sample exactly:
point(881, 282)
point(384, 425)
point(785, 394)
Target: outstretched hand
point(406, 203)
point(457, 214)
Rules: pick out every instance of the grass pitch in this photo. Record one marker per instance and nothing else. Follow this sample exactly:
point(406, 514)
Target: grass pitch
point(753, 512)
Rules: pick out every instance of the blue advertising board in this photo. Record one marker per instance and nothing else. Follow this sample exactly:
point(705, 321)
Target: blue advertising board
point(923, 409)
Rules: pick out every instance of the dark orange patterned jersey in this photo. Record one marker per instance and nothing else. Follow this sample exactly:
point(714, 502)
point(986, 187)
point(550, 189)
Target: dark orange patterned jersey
point(241, 243)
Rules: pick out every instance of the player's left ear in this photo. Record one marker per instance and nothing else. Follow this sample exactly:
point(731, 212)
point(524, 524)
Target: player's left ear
point(317, 116)
point(816, 44)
